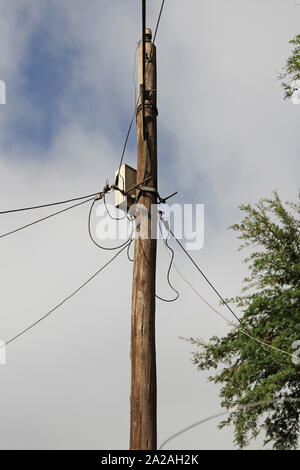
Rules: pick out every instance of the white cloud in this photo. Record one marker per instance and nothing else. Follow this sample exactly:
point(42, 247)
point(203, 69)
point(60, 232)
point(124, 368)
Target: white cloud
point(66, 384)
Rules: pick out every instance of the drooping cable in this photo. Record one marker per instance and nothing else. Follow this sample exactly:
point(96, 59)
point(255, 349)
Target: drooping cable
point(168, 273)
point(128, 250)
point(64, 300)
point(172, 255)
point(111, 216)
point(93, 239)
point(125, 212)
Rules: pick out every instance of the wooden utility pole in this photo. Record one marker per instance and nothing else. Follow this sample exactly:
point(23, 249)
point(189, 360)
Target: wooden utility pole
point(143, 421)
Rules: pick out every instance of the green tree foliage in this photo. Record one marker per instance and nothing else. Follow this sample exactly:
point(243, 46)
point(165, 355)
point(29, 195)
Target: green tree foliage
point(270, 302)
point(292, 68)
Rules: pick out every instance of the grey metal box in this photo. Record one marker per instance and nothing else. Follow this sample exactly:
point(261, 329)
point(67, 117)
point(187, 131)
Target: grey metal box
point(127, 179)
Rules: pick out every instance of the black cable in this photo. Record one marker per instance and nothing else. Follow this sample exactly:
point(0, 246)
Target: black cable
point(144, 40)
point(158, 21)
point(44, 218)
point(143, 65)
point(168, 274)
point(49, 205)
point(194, 425)
point(125, 145)
point(222, 413)
point(63, 301)
point(169, 270)
point(94, 241)
point(207, 280)
point(128, 251)
point(134, 71)
point(111, 216)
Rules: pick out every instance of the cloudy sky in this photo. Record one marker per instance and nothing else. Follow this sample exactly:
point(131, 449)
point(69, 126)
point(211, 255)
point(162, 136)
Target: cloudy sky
point(226, 136)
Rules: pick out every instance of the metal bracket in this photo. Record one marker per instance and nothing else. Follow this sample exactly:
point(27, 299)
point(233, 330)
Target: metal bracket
point(163, 200)
point(148, 190)
point(147, 106)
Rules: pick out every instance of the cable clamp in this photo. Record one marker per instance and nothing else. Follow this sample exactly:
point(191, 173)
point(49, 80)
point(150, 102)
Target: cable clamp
point(148, 106)
point(106, 189)
point(153, 190)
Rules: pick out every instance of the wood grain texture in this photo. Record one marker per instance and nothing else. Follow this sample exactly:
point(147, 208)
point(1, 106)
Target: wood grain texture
point(143, 401)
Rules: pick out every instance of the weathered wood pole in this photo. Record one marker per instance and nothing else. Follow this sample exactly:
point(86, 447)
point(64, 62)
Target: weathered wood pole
point(143, 402)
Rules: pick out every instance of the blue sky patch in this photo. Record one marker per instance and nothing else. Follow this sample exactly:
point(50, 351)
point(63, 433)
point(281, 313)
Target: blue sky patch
point(44, 77)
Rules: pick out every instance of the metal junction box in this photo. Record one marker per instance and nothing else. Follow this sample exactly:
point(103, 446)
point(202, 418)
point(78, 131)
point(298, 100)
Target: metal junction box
point(127, 179)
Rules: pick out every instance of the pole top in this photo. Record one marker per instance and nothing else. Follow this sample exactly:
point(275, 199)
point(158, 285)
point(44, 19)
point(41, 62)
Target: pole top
point(148, 35)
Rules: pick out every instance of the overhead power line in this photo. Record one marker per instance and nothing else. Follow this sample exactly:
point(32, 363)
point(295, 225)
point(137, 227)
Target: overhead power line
point(64, 300)
point(96, 196)
point(228, 321)
point(125, 144)
point(242, 330)
point(41, 206)
point(158, 20)
point(172, 255)
point(206, 278)
point(45, 218)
